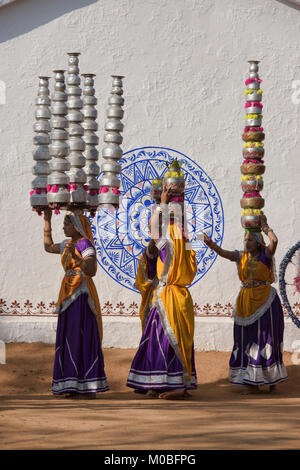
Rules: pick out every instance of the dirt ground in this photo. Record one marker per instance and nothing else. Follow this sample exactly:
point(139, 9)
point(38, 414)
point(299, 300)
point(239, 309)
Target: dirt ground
point(217, 416)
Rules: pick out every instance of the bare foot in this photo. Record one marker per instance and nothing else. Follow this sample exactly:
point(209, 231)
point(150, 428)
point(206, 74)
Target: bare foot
point(175, 395)
point(251, 390)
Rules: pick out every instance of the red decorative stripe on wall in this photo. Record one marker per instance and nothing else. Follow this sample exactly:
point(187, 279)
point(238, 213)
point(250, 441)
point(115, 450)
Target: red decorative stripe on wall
point(42, 309)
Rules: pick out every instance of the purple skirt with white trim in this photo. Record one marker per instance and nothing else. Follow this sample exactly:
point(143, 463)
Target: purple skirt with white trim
point(155, 365)
point(78, 363)
point(256, 357)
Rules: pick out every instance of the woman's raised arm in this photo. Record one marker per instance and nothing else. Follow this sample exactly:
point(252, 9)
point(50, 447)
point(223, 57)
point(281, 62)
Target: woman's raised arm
point(270, 234)
point(49, 246)
point(223, 253)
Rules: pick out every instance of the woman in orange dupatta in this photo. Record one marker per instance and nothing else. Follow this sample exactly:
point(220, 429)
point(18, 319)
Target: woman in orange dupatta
point(164, 363)
point(256, 358)
point(78, 364)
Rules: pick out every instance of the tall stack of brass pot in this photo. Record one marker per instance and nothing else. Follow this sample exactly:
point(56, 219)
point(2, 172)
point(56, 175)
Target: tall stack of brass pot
point(253, 166)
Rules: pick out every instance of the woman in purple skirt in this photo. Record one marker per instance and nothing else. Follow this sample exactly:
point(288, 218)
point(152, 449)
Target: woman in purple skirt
point(78, 364)
point(256, 358)
point(163, 366)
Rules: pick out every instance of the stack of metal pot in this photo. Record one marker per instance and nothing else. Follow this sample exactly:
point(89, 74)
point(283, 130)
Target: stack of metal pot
point(77, 145)
point(70, 180)
point(38, 194)
point(91, 141)
point(109, 193)
point(58, 180)
point(253, 166)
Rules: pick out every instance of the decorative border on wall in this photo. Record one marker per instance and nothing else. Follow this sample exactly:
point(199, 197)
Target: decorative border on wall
point(42, 309)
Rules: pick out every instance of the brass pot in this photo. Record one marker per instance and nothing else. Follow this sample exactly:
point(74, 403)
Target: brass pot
point(253, 168)
point(250, 221)
point(252, 185)
point(156, 191)
point(255, 136)
point(177, 184)
point(252, 202)
point(253, 152)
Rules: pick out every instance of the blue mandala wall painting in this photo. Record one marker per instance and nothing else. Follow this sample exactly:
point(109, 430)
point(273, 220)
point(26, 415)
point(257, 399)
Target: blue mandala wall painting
point(121, 236)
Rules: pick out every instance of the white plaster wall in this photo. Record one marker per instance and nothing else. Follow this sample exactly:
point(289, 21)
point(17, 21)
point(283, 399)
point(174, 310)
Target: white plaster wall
point(185, 63)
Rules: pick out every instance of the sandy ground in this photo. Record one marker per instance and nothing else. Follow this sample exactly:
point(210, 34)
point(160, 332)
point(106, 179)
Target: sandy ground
point(217, 416)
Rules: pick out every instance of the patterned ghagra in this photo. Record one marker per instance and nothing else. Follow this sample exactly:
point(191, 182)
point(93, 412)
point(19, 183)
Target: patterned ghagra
point(256, 357)
point(78, 363)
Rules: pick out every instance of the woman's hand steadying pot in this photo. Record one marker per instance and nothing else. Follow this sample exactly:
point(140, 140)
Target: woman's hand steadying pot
point(263, 220)
point(165, 195)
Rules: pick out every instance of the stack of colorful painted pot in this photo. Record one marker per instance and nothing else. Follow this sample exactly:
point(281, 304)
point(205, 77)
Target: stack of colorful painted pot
point(174, 178)
point(253, 166)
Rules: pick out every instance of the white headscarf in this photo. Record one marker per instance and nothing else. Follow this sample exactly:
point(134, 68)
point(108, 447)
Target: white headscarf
point(76, 222)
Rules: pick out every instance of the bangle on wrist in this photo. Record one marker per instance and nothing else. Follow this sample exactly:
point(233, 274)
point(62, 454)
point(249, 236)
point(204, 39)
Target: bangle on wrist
point(47, 232)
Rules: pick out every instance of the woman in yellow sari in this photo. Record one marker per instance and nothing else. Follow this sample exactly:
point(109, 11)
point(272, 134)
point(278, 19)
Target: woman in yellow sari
point(256, 357)
point(164, 363)
point(78, 364)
